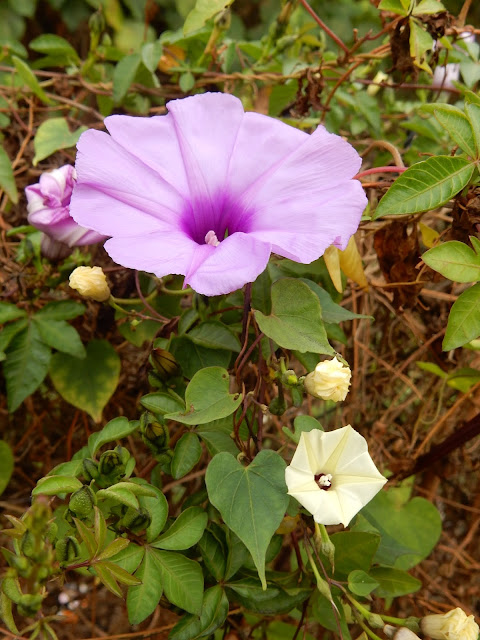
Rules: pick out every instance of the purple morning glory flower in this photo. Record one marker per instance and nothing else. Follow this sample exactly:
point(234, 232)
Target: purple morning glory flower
point(48, 204)
point(209, 191)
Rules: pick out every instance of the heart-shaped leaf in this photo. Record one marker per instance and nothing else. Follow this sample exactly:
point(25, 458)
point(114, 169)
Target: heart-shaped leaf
point(252, 500)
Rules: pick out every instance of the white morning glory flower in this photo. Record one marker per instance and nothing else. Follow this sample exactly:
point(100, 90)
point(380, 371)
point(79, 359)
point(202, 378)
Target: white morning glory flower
point(332, 475)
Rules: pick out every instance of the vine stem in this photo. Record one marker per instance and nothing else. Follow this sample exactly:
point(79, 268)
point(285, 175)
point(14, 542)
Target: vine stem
point(369, 172)
point(323, 26)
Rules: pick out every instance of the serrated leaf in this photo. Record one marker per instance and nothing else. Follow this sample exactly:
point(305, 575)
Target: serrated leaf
point(425, 186)
point(203, 11)
point(116, 546)
point(87, 384)
point(188, 451)
point(182, 580)
point(456, 123)
point(455, 261)
point(116, 429)
point(123, 76)
point(59, 335)
point(252, 500)
point(7, 179)
point(28, 77)
point(52, 135)
point(296, 318)
point(6, 465)
point(186, 531)
point(143, 599)
point(207, 398)
point(26, 365)
point(464, 319)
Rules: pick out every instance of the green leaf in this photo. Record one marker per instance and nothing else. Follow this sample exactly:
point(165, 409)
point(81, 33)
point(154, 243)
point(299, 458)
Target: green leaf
point(360, 583)
point(214, 335)
point(186, 81)
point(52, 135)
point(192, 357)
point(182, 580)
point(7, 179)
point(130, 558)
point(119, 493)
point(55, 485)
point(252, 500)
point(354, 550)
point(116, 429)
point(203, 11)
point(458, 126)
point(464, 319)
point(393, 582)
point(186, 531)
point(6, 465)
point(301, 424)
point(161, 403)
point(50, 44)
point(107, 578)
point(473, 113)
point(188, 451)
point(332, 312)
point(61, 310)
point(213, 555)
point(143, 598)
point(428, 7)
point(120, 574)
point(6, 613)
point(151, 54)
point(395, 6)
point(296, 318)
point(426, 185)
point(8, 333)
point(26, 365)
point(157, 507)
point(207, 398)
point(59, 335)
point(9, 311)
point(87, 384)
point(123, 76)
point(116, 546)
point(28, 77)
point(455, 261)
point(216, 435)
point(214, 614)
point(420, 42)
point(409, 529)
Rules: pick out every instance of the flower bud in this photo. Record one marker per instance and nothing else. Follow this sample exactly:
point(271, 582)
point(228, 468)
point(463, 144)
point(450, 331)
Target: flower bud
point(329, 381)
point(135, 520)
point(399, 634)
point(48, 206)
point(29, 604)
point(67, 549)
point(90, 282)
point(164, 363)
point(454, 625)
point(90, 469)
point(154, 434)
point(82, 502)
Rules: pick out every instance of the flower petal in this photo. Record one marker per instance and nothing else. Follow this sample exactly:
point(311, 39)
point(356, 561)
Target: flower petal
point(235, 261)
point(107, 167)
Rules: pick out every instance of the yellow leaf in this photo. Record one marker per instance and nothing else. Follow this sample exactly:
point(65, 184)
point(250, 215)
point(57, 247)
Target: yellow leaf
point(332, 262)
point(429, 235)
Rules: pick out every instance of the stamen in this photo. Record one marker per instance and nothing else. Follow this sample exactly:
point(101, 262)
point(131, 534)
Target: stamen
point(211, 239)
point(324, 480)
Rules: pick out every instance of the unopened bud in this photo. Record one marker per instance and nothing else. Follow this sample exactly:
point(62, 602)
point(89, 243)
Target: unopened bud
point(82, 502)
point(28, 544)
point(154, 434)
point(67, 549)
point(96, 22)
point(278, 406)
point(454, 625)
point(90, 469)
point(164, 364)
point(136, 520)
point(29, 604)
point(90, 282)
point(329, 381)
point(110, 462)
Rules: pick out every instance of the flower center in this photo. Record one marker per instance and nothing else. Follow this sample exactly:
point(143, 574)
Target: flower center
point(323, 480)
point(211, 239)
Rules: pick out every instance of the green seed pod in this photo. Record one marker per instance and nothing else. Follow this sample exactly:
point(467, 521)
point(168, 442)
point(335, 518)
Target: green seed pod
point(164, 363)
point(111, 463)
point(277, 406)
point(67, 549)
point(135, 519)
point(90, 469)
point(82, 502)
point(29, 604)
